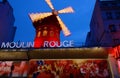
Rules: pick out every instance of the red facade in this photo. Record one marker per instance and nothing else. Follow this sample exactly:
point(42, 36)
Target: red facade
point(47, 29)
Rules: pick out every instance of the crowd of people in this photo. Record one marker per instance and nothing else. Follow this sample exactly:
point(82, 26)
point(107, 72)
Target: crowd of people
point(13, 69)
point(69, 69)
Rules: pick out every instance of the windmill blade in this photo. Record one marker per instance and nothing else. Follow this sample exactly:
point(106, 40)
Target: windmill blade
point(39, 16)
point(66, 10)
point(50, 4)
point(64, 28)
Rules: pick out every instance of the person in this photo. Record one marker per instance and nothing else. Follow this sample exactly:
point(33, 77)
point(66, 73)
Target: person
point(57, 74)
point(105, 73)
point(71, 75)
point(12, 68)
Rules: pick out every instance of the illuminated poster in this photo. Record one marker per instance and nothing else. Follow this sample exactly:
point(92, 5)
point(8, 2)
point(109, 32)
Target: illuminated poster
point(79, 68)
point(10, 69)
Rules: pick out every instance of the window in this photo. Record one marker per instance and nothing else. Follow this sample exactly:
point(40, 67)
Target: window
point(39, 33)
point(104, 4)
point(51, 33)
point(116, 41)
point(39, 29)
point(112, 28)
point(119, 4)
point(89, 34)
point(109, 15)
point(113, 4)
point(45, 33)
point(117, 15)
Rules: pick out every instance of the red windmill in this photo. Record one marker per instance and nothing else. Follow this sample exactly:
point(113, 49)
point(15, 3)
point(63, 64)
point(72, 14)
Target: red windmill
point(48, 25)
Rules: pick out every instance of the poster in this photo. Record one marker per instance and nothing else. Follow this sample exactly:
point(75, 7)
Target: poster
point(73, 68)
point(11, 69)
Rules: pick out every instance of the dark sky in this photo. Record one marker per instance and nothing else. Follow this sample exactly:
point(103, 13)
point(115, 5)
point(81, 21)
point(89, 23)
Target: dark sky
point(77, 23)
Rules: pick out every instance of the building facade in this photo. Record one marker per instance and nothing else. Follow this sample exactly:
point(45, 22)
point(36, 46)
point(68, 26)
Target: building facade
point(105, 31)
point(105, 24)
point(7, 29)
point(47, 32)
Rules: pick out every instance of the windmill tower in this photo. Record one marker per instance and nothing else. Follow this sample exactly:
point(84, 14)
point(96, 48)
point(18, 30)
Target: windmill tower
point(48, 25)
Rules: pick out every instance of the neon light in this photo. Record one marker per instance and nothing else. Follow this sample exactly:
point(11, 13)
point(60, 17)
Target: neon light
point(17, 45)
point(57, 44)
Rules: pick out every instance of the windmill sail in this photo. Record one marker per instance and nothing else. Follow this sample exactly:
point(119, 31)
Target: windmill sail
point(64, 28)
point(39, 16)
point(50, 4)
point(66, 10)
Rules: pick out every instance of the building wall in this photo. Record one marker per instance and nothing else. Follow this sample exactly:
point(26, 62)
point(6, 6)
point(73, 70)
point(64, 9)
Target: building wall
point(105, 30)
point(111, 17)
point(105, 24)
point(7, 30)
point(96, 27)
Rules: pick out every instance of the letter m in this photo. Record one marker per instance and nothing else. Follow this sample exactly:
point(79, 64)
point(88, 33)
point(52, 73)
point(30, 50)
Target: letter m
point(5, 45)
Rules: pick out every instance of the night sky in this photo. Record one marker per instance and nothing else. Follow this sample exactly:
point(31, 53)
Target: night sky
point(78, 22)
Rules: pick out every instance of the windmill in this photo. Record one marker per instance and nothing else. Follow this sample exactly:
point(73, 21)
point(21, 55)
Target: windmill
point(44, 21)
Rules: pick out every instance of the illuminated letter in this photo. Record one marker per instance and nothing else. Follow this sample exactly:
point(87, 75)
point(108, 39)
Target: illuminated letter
point(58, 44)
point(65, 43)
point(12, 45)
point(71, 44)
point(46, 44)
point(18, 45)
point(52, 43)
point(30, 44)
